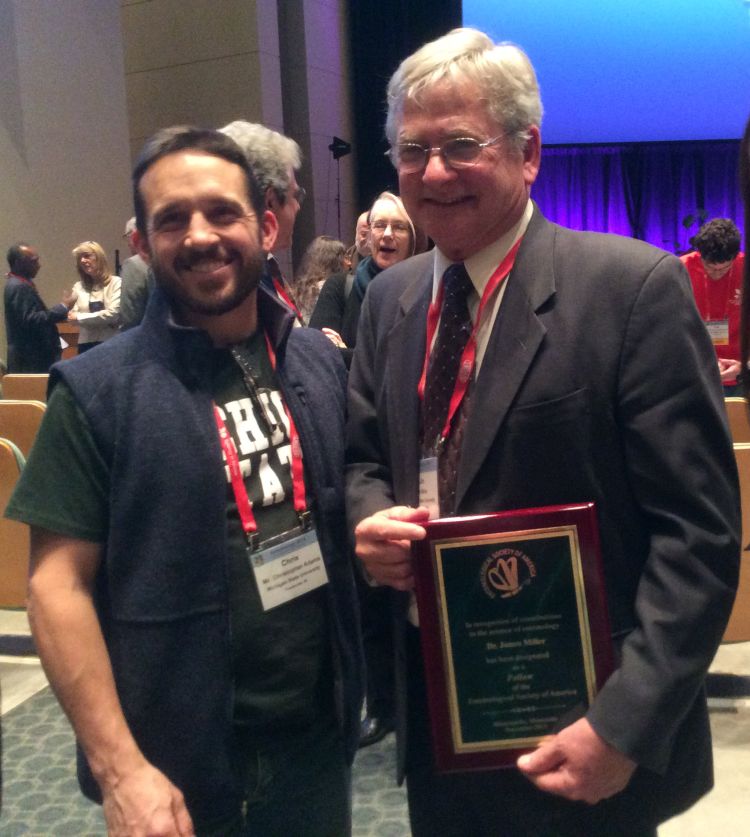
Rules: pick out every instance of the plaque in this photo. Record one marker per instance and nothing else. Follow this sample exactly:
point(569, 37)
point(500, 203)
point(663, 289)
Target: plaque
point(514, 630)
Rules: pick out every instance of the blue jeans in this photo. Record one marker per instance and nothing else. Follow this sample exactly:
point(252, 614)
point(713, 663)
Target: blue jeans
point(296, 784)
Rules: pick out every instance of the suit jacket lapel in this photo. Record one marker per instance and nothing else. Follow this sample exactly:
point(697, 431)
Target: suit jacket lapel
point(406, 347)
point(513, 343)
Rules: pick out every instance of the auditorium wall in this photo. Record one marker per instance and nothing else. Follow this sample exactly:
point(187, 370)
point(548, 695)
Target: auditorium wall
point(64, 154)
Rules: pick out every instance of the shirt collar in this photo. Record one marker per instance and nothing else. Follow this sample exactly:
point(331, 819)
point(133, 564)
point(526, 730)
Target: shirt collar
point(482, 265)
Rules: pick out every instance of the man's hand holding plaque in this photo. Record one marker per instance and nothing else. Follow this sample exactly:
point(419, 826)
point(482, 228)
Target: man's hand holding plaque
point(578, 764)
point(384, 544)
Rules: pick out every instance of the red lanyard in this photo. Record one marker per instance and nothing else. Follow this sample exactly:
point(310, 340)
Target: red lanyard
point(244, 506)
point(23, 279)
point(298, 471)
point(708, 287)
point(282, 292)
point(469, 355)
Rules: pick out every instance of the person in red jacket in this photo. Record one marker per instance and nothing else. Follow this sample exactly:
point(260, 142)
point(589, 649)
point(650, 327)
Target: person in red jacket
point(715, 268)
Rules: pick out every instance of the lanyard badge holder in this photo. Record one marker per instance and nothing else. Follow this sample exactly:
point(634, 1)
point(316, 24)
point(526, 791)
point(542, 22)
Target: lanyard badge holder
point(290, 564)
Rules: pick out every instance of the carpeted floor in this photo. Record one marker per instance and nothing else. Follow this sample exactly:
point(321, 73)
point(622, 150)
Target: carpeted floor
point(40, 796)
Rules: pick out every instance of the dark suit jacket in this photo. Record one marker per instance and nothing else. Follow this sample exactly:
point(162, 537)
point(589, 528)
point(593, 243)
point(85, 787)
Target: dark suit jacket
point(137, 284)
point(33, 341)
point(599, 384)
point(338, 309)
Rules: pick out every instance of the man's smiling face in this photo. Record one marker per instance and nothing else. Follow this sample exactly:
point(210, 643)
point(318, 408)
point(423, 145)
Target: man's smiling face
point(464, 210)
point(204, 242)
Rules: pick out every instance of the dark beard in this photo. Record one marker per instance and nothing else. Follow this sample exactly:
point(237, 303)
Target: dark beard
point(180, 299)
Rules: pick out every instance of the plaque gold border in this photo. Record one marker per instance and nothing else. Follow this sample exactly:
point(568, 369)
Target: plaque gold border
point(439, 547)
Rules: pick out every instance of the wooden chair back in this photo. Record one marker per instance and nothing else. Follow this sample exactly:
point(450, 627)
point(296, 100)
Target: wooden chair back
point(14, 536)
point(739, 423)
point(19, 422)
point(25, 387)
point(738, 629)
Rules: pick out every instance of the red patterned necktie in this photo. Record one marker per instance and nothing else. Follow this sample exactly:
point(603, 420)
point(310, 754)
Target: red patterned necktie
point(442, 371)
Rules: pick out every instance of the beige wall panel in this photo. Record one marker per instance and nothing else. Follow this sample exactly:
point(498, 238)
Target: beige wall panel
point(211, 62)
point(163, 33)
point(210, 93)
point(206, 62)
point(63, 132)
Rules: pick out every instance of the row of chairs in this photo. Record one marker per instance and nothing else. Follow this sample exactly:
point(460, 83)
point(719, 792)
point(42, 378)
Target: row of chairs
point(19, 421)
point(25, 387)
point(21, 412)
point(739, 423)
point(14, 537)
point(738, 629)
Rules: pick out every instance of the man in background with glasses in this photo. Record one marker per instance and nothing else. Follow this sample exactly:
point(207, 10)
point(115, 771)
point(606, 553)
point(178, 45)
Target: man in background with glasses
point(274, 160)
point(518, 365)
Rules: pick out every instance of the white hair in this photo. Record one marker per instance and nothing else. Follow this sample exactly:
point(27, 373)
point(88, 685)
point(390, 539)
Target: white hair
point(502, 73)
point(271, 155)
point(399, 204)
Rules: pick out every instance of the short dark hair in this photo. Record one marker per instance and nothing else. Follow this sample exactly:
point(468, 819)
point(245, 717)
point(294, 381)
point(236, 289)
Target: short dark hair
point(188, 138)
point(15, 254)
point(717, 241)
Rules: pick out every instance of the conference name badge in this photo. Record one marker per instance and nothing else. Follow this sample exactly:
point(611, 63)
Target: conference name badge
point(290, 569)
point(719, 332)
point(428, 486)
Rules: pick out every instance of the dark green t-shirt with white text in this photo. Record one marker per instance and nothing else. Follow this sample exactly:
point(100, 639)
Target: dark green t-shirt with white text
point(281, 658)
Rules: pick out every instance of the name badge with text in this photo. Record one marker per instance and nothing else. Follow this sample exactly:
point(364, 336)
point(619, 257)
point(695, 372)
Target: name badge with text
point(428, 486)
point(719, 332)
point(289, 569)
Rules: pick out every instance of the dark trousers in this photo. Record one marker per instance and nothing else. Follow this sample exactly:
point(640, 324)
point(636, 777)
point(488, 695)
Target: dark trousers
point(296, 784)
point(377, 640)
point(497, 803)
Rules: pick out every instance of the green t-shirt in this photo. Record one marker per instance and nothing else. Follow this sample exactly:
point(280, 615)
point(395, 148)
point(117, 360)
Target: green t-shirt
point(281, 658)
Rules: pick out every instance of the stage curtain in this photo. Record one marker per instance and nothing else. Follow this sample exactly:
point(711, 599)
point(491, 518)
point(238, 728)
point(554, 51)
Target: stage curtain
point(644, 190)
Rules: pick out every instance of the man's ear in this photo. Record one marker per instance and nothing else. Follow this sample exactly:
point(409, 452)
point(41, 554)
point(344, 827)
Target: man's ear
point(272, 199)
point(140, 242)
point(532, 155)
point(269, 230)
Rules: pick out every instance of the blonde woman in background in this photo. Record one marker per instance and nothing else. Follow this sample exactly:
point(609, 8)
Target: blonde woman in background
point(97, 305)
point(391, 239)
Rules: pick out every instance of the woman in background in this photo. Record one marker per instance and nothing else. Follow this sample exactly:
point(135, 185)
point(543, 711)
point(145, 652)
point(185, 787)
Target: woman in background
point(97, 305)
point(324, 256)
point(392, 239)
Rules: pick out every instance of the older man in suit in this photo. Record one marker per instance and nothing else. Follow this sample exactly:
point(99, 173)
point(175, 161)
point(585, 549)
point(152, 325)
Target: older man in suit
point(33, 341)
point(589, 377)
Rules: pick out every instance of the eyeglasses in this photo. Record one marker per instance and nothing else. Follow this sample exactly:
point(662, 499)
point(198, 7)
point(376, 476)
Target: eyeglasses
point(458, 153)
point(299, 195)
point(397, 227)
